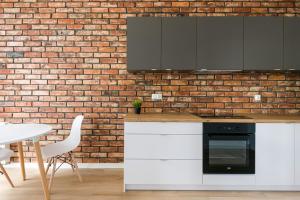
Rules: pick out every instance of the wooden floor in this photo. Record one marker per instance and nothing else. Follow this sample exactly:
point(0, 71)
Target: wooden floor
point(106, 184)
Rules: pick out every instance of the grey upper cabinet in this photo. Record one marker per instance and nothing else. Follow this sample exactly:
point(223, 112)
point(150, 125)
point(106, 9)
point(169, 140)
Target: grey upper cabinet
point(263, 43)
point(179, 43)
point(144, 43)
point(220, 43)
point(292, 43)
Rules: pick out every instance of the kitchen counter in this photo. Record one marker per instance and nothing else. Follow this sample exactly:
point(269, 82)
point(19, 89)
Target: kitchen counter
point(186, 117)
point(172, 155)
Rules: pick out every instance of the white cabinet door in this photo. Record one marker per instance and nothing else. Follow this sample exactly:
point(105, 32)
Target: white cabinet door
point(297, 154)
point(274, 154)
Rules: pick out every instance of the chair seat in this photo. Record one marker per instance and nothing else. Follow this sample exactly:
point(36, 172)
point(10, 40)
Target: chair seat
point(55, 149)
point(5, 154)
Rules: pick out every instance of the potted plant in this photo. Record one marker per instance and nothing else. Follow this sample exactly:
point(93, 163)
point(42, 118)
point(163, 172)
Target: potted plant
point(137, 104)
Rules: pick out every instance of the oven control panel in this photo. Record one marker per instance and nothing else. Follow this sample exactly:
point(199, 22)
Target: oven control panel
point(236, 128)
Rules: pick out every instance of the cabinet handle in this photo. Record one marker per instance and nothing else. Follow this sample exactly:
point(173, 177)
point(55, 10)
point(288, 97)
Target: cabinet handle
point(163, 160)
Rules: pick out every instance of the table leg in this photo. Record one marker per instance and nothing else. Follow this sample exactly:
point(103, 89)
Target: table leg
point(21, 158)
point(42, 169)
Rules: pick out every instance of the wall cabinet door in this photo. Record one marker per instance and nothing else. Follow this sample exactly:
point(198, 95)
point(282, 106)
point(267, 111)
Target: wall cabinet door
point(179, 43)
point(274, 154)
point(220, 43)
point(292, 43)
point(263, 43)
point(144, 43)
point(297, 154)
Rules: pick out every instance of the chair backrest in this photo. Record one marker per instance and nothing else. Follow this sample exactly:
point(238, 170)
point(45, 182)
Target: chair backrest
point(73, 140)
point(2, 124)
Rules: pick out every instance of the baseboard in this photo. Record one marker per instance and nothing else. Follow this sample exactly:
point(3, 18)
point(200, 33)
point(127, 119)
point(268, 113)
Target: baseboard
point(80, 165)
point(212, 187)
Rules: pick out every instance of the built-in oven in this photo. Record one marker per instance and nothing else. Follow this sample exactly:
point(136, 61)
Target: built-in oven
point(228, 148)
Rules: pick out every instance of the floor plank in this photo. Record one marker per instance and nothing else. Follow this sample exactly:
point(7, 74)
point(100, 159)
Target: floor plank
point(108, 184)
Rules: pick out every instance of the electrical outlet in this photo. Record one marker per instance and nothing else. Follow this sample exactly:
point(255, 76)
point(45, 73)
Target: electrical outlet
point(156, 97)
point(257, 98)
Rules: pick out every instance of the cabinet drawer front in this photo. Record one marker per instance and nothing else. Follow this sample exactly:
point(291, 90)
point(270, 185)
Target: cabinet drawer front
point(163, 146)
point(163, 172)
point(163, 128)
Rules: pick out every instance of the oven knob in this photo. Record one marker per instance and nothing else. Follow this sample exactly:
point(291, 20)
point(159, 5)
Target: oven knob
point(228, 168)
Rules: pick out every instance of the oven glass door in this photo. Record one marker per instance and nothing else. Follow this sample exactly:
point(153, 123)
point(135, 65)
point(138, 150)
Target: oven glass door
point(229, 154)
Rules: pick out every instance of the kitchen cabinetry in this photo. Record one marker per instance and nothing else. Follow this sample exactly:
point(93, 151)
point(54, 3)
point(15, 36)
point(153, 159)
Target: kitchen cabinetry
point(144, 43)
point(292, 43)
point(220, 43)
point(297, 154)
point(263, 43)
point(162, 153)
point(179, 43)
point(274, 154)
point(213, 43)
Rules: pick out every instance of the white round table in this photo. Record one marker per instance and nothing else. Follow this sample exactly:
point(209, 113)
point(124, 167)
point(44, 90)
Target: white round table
point(12, 133)
point(16, 133)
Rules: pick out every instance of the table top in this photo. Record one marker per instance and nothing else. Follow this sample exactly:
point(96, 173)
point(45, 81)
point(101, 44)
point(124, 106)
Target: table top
point(12, 133)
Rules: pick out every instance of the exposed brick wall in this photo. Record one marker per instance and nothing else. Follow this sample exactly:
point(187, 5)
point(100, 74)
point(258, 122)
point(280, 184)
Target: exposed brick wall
point(66, 57)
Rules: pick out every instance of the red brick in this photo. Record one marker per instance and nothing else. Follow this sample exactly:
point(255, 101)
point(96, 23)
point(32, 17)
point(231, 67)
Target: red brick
point(59, 15)
point(56, 4)
point(241, 10)
point(71, 49)
point(180, 4)
point(223, 10)
point(251, 4)
point(259, 10)
point(11, 10)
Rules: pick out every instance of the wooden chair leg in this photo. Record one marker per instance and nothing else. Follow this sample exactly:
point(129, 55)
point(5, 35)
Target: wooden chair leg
point(52, 174)
point(74, 162)
point(48, 166)
point(6, 175)
point(71, 160)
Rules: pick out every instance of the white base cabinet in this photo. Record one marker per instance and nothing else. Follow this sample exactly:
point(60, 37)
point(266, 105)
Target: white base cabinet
point(275, 151)
point(297, 154)
point(168, 156)
point(162, 154)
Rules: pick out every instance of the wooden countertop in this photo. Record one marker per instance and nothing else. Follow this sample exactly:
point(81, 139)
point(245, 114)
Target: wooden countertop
point(186, 117)
point(162, 117)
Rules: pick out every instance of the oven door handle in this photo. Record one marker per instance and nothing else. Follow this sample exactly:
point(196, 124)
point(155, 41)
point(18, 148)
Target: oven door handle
point(229, 134)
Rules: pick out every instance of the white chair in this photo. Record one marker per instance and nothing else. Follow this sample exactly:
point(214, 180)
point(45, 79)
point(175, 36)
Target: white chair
point(62, 151)
point(4, 155)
